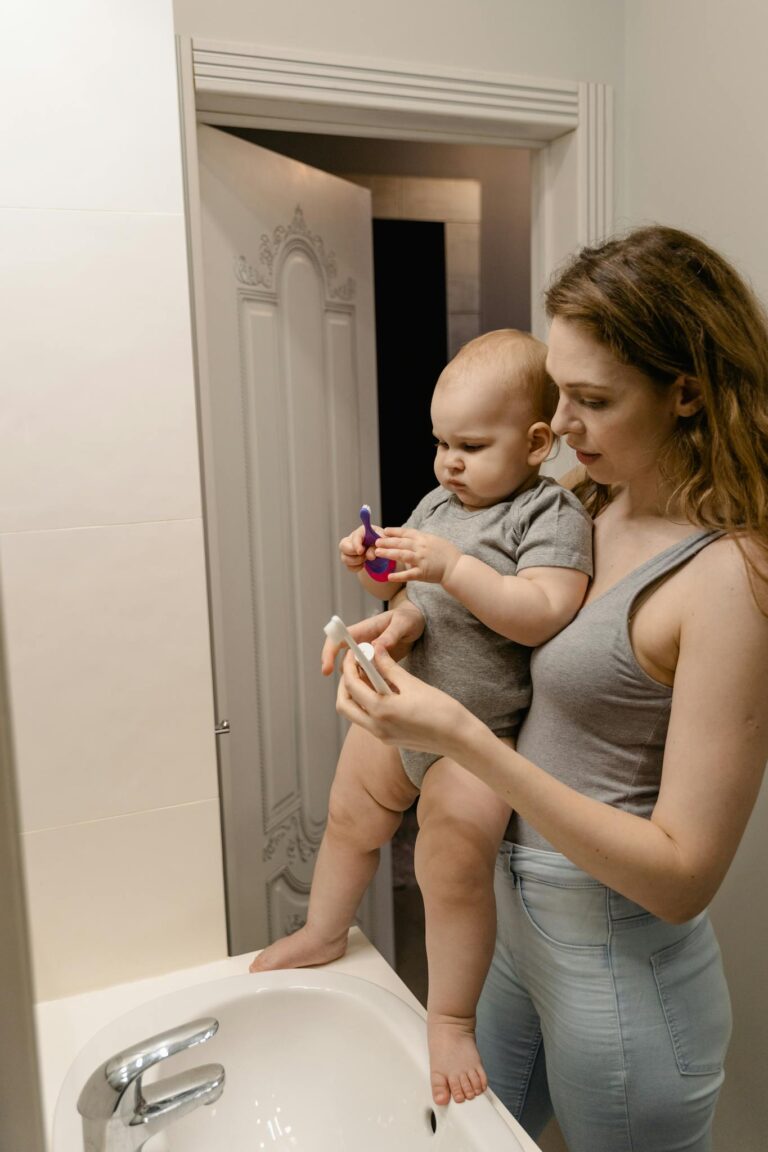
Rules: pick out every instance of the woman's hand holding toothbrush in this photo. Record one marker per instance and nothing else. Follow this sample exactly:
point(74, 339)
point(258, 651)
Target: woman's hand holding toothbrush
point(395, 631)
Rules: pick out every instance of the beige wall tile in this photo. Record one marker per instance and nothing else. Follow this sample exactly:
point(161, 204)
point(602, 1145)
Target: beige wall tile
point(96, 374)
point(90, 106)
point(462, 267)
point(386, 194)
point(118, 900)
point(462, 326)
point(110, 671)
point(427, 199)
point(562, 461)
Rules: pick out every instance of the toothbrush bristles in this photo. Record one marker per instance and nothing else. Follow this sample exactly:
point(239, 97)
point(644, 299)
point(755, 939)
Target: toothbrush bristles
point(335, 630)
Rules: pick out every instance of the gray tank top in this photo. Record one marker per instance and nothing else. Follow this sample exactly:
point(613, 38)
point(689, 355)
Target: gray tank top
point(597, 720)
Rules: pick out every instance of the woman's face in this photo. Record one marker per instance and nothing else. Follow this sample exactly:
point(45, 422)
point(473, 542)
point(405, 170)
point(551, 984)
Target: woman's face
point(614, 416)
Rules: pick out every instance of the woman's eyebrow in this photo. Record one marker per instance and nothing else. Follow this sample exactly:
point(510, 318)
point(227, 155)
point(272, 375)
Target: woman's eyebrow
point(585, 384)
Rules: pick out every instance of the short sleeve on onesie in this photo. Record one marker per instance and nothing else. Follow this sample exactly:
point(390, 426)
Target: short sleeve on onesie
point(544, 526)
point(555, 530)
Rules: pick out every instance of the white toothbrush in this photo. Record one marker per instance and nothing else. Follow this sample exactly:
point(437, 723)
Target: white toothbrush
point(336, 630)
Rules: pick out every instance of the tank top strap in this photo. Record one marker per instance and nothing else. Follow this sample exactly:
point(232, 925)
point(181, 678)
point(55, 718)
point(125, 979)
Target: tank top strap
point(663, 563)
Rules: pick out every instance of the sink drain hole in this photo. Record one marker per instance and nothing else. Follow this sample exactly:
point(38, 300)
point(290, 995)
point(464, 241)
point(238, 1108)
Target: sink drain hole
point(432, 1119)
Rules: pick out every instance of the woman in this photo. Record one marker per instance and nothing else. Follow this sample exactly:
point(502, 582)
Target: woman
point(643, 752)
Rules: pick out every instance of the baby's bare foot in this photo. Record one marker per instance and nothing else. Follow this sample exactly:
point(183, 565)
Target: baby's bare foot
point(300, 950)
point(456, 1069)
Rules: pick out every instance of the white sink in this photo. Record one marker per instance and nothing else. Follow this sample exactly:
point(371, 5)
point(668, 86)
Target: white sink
point(315, 1061)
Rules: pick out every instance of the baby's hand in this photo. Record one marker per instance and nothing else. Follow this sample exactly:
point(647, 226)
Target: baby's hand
point(422, 556)
point(352, 550)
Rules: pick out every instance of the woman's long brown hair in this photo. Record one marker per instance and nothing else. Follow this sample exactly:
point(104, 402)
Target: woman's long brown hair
point(664, 302)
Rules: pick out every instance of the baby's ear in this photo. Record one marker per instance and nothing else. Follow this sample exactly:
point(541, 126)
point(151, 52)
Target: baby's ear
point(540, 440)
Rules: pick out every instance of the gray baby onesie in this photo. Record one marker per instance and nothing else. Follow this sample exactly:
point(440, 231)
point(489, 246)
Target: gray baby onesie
point(543, 527)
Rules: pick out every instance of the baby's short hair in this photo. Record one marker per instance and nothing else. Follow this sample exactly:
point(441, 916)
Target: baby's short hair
point(519, 359)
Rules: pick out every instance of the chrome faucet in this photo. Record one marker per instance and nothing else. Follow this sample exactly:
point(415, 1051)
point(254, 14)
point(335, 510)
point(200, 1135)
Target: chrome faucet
point(120, 1113)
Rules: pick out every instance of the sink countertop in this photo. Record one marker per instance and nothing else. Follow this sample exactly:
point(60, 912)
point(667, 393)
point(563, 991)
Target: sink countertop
point(65, 1026)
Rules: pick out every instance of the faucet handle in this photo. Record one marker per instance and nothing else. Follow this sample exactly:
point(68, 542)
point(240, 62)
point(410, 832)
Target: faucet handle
point(127, 1066)
point(179, 1094)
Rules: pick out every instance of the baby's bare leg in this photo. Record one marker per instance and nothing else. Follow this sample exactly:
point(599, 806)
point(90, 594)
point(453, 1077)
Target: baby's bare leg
point(461, 825)
point(370, 792)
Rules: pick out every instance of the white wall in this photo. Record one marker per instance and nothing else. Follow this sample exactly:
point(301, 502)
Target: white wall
point(550, 39)
point(697, 94)
point(101, 546)
point(694, 123)
point(547, 38)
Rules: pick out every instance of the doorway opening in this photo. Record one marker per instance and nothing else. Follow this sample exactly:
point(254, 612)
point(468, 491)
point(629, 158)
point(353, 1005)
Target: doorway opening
point(411, 352)
point(451, 253)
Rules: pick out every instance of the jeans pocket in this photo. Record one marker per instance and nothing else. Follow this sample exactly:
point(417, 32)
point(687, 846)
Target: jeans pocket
point(694, 997)
point(573, 918)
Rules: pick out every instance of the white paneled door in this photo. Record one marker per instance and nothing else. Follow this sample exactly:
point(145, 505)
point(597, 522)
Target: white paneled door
point(291, 454)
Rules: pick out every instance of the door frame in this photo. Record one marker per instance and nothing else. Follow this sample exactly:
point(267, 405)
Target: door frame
point(568, 126)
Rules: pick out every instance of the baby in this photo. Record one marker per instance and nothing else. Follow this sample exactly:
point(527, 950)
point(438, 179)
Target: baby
point(497, 559)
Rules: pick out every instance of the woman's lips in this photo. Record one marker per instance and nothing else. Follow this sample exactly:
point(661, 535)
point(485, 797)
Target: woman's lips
point(587, 457)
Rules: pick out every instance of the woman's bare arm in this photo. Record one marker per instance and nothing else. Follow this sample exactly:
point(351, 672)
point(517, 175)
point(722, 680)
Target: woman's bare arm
point(716, 750)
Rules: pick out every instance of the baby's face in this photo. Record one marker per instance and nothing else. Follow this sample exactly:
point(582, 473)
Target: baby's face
point(481, 435)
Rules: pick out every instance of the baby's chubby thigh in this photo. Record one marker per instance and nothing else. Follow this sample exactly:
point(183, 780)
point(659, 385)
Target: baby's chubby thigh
point(370, 791)
point(461, 824)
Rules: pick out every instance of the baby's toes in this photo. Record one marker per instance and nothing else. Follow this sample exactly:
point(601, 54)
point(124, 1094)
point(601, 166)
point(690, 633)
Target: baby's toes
point(478, 1081)
point(467, 1086)
point(441, 1092)
point(457, 1089)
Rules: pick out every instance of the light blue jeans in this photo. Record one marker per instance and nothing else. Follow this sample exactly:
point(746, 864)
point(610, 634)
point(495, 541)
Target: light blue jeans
point(598, 1010)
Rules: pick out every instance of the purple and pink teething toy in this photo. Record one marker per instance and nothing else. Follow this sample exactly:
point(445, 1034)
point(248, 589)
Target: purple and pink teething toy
point(378, 569)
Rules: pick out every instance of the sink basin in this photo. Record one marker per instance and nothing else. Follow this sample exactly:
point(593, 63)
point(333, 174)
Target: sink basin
point(315, 1060)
